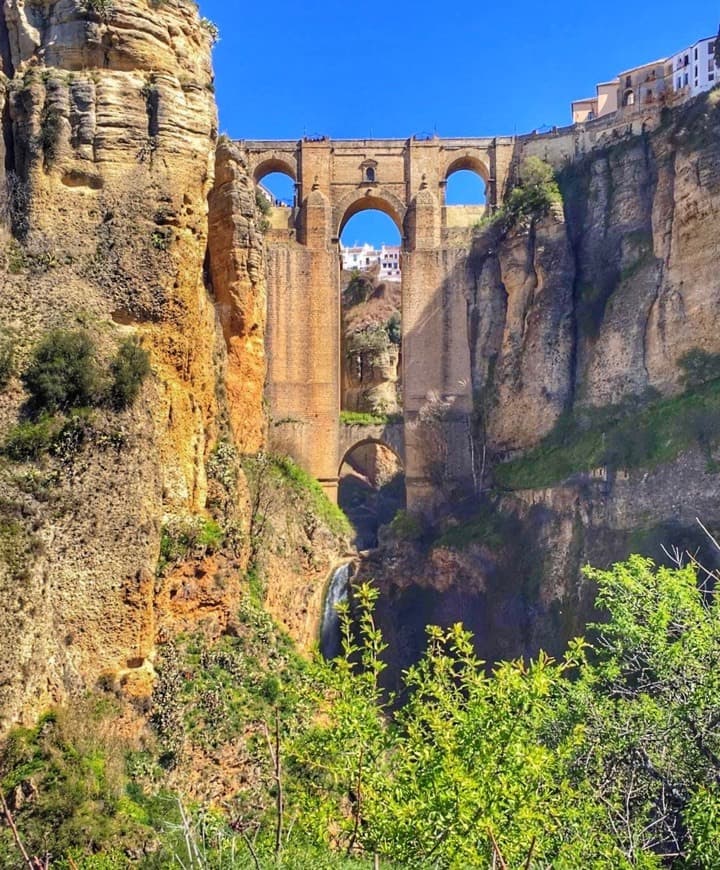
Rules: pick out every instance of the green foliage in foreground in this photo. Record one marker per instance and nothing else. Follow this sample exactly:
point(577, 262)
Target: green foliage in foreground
point(609, 758)
point(620, 437)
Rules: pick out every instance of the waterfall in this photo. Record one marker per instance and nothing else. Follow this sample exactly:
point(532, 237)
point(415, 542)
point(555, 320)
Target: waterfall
point(337, 591)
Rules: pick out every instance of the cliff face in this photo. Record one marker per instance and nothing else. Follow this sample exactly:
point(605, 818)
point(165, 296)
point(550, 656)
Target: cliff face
point(581, 324)
point(109, 135)
point(237, 272)
point(109, 151)
point(603, 304)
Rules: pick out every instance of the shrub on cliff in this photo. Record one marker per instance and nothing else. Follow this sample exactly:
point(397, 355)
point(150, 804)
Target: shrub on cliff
point(699, 366)
point(537, 192)
point(7, 358)
point(128, 370)
point(535, 195)
point(63, 372)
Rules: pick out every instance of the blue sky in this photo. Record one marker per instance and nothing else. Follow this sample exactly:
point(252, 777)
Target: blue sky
point(396, 68)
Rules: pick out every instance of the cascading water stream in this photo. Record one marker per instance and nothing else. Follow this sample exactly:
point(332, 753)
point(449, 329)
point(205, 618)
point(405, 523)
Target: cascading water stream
point(337, 592)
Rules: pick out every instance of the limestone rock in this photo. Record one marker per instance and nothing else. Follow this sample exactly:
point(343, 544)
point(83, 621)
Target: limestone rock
point(111, 130)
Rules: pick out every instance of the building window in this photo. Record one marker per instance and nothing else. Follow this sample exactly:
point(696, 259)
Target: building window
point(369, 174)
point(679, 83)
point(696, 53)
point(686, 80)
point(711, 77)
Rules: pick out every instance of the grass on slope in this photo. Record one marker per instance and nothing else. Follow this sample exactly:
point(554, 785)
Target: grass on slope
point(620, 437)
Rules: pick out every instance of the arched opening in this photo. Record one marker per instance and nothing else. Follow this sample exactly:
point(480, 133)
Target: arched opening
point(629, 98)
point(370, 202)
point(371, 489)
point(278, 189)
point(371, 304)
point(465, 187)
point(465, 192)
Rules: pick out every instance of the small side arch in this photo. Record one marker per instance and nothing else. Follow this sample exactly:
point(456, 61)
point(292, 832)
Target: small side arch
point(285, 165)
point(469, 162)
point(364, 443)
point(371, 488)
point(371, 198)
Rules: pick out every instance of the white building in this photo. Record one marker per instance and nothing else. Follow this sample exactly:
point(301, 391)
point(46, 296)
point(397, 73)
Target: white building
point(684, 75)
point(695, 69)
point(390, 263)
point(365, 257)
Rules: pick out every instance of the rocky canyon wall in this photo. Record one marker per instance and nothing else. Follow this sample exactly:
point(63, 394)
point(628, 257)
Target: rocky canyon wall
point(594, 347)
point(114, 225)
point(109, 127)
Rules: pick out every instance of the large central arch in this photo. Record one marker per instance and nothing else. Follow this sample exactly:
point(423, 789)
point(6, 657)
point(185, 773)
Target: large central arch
point(364, 200)
point(469, 162)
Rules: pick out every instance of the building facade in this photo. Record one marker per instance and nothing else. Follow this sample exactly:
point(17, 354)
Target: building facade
point(684, 75)
point(366, 257)
point(695, 69)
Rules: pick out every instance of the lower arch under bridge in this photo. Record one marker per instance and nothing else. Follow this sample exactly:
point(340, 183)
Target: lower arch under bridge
point(406, 179)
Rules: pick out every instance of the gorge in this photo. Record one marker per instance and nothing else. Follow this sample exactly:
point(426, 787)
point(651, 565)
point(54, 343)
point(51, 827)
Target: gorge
point(554, 393)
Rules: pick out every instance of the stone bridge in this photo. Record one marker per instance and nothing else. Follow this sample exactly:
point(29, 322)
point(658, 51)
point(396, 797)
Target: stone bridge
point(405, 179)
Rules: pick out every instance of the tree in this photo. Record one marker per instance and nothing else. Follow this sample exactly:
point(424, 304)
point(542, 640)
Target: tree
point(63, 372)
point(651, 708)
point(607, 758)
point(129, 369)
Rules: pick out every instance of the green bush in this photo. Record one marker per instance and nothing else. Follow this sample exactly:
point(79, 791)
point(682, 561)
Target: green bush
point(76, 776)
point(362, 418)
point(358, 290)
point(63, 372)
point(489, 527)
point(373, 339)
point(394, 328)
point(306, 484)
point(30, 439)
point(537, 191)
point(406, 527)
point(184, 535)
point(535, 194)
point(128, 370)
point(699, 366)
point(7, 358)
point(262, 203)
